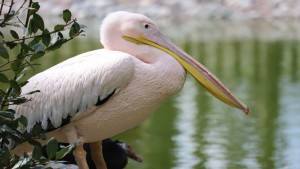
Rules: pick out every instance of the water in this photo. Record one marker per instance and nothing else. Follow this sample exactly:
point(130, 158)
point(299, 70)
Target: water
point(193, 130)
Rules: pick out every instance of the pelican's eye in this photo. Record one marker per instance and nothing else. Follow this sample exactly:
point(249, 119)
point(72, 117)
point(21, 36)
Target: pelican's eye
point(146, 26)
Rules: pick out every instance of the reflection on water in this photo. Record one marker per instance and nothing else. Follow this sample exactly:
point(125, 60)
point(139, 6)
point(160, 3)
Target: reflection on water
point(195, 130)
point(185, 143)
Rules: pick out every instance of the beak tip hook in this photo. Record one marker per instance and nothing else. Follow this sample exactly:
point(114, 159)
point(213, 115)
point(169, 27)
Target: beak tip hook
point(246, 110)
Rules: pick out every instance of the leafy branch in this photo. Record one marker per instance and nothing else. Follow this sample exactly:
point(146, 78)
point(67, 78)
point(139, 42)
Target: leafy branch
point(57, 28)
point(32, 40)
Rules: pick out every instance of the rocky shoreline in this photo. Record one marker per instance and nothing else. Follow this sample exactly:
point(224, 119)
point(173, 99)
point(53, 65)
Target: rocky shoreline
point(210, 19)
point(179, 10)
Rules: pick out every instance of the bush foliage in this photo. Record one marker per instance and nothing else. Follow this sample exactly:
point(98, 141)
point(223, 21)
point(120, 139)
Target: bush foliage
point(22, 29)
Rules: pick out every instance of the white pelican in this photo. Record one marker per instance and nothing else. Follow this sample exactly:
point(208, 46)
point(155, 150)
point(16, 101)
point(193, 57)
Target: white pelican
point(104, 92)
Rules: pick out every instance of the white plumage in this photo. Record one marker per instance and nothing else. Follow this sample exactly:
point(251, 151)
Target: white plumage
point(72, 87)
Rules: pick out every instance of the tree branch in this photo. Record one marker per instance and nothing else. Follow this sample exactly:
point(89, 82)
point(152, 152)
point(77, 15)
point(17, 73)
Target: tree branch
point(6, 17)
point(2, 4)
point(21, 6)
point(28, 16)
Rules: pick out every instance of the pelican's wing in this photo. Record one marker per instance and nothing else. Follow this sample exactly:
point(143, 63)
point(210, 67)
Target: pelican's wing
point(75, 87)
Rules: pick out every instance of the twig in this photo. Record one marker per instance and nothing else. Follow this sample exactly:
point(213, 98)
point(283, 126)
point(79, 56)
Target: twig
point(27, 17)
point(21, 6)
point(8, 62)
point(10, 7)
point(24, 64)
point(5, 97)
point(4, 71)
point(7, 15)
point(26, 24)
point(2, 4)
point(29, 64)
point(20, 20)
point(17, 12)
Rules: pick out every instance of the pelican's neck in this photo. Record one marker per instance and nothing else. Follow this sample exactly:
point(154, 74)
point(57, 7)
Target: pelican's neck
point(167, 71)
point(145, 53)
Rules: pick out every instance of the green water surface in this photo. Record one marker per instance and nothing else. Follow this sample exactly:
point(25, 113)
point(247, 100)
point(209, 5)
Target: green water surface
point(193, 130)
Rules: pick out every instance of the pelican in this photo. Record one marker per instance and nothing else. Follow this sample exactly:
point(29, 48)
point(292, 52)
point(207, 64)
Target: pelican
point(101, 93)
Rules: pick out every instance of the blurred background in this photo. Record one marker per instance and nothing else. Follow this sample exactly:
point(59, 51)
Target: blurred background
point(251, 45)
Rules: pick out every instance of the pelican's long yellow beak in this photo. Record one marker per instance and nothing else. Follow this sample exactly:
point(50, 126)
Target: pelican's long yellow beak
point(198, 71)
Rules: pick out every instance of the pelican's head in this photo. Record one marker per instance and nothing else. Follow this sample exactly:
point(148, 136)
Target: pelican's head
point(123, 31)
point(118, 25)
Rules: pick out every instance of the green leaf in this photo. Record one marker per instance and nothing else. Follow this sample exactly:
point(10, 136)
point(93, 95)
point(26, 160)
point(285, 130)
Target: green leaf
point(13, 124)
point(75, 28)
point(11, 111)
point(26, 48)
point(23, 120)
point(34, 8)
point(1, 34)
point(15, 65)
point(34, 41)
point(37, 55)
point(46, 37)
point(63, 152)
point(39, 22)
point(11, 45)
point(52, 148)
point(2, 93)
point(3, 52)
point(20, 76)
point(56, 45)
point(32, 27)
point(5, 156)
point(15, 86)
point(22, 163)
point(36, 153)
point(32, 141)
point(60, 35)
point(44, 162)
point(59, 27)
point(14, 34)
point(67, 15)
point(35, 5)
point(19, 100)
point(23, 83)
point(3, 78)
point(6, 128)
point(36, 130)
point(7, 114)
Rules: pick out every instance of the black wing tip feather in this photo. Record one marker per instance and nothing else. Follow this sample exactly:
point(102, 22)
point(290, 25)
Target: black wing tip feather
point(101, 102)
